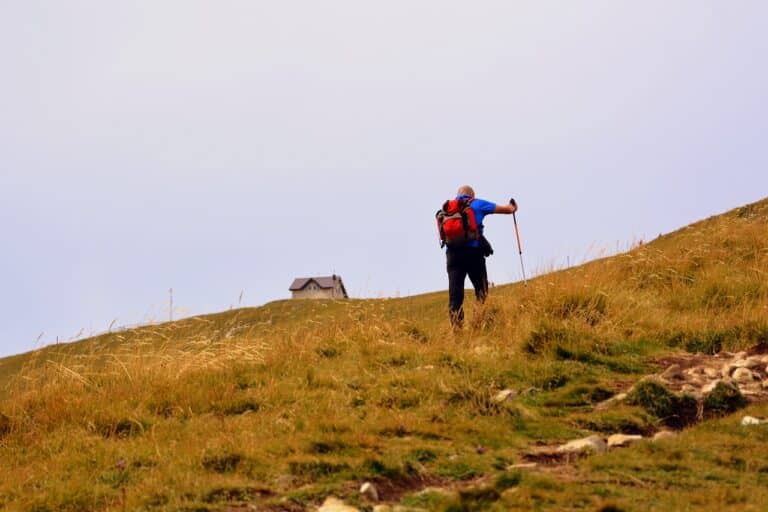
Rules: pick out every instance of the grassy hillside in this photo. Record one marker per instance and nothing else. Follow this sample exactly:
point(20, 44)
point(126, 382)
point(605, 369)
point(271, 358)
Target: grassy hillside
point(275, 408)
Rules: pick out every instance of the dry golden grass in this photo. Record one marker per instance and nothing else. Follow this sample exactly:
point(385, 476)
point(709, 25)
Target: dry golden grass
point(282, 405)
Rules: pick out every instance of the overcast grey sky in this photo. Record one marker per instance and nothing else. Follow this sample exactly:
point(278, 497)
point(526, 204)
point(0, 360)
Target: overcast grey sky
point(225, 146)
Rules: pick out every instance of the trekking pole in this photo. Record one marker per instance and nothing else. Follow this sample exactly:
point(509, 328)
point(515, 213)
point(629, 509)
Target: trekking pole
point(519, 245)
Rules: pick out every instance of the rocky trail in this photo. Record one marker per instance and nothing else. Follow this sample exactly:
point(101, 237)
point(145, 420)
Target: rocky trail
point(690, 388)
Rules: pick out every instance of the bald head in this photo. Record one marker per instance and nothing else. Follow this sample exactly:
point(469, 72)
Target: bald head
point(466, 190)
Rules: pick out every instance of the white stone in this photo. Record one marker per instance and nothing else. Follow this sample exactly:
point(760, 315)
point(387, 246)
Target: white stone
point(710, 387)
point(663, 434)
point(332, 504)
point(588, 444)
point(754, 362)
point(619, 440)
point(765, 384)
point(504, 395)
point(743, 375)
point(382, 508)
point(529, 465)
point(725, 371)
point(695, 371)
point(605, 404)
point(689, 389)
point(673, 372)
point(369, 491)
point(747, 421)
point(711, 373)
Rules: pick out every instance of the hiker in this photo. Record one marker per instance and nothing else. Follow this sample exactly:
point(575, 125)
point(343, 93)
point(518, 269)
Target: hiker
point(460, 223)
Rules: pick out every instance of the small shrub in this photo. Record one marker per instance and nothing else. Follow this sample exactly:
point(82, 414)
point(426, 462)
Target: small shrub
point(724, 399)
point(508, 480)
point(544, 336)
point(376, 468)
point(710, 342)
point(674, 411)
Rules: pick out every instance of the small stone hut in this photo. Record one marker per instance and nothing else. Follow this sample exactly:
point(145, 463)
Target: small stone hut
point(330, 287)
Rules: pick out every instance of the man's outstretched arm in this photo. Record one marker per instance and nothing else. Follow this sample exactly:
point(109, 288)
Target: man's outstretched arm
point(506, 208)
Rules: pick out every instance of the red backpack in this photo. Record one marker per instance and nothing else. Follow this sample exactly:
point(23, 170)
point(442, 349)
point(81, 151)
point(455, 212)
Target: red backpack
point(456, 223)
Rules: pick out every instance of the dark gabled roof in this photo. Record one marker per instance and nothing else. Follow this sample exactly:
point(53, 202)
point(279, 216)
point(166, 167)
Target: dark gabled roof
point(325, 283)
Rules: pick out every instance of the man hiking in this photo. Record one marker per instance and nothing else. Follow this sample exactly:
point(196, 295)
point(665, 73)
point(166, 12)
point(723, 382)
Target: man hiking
point(460, 223)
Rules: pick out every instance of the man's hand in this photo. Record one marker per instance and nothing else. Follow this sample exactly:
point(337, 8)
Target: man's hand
point(506, 208)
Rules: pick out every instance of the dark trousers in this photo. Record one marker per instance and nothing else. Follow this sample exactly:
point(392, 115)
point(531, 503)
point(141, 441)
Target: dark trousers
point(463, 262)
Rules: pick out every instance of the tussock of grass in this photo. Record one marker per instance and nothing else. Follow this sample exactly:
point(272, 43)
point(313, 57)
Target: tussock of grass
point(298, 400)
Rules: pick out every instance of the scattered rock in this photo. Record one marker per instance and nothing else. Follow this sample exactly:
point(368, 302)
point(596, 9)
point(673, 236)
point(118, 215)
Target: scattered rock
point(503, 396)
point(529, 465)
point(592, 443)
point(691, 389)
point(765, 384)
point(711, 373)
point(332, 504)
point(369, 491)
point(382, 508)
point(664, 434)
point(695, 371)
point(743, 375)
point(673, 372)
point(606, 404)
point(747, 421)
point(621, 440)
point(707, 389)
